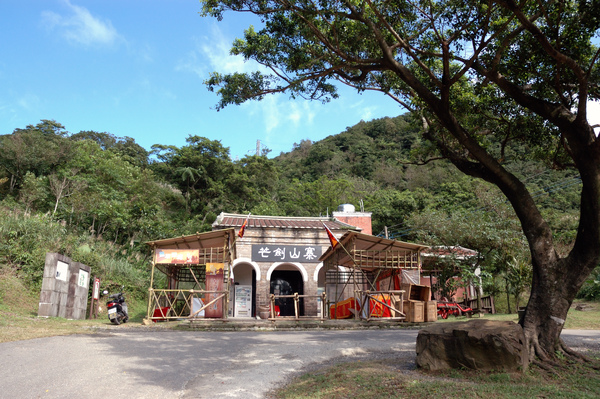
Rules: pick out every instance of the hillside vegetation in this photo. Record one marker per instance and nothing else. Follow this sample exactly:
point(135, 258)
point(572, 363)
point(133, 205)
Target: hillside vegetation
point(98, 198)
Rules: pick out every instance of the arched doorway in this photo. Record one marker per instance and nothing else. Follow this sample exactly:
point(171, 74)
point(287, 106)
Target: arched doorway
point(320, 279)
point(244, 290)
point(287, 282)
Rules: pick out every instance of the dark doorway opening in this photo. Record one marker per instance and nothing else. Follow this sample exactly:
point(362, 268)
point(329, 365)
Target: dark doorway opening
point(287, 282)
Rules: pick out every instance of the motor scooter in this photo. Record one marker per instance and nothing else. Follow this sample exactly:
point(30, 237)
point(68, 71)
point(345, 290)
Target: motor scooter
point(117, 308)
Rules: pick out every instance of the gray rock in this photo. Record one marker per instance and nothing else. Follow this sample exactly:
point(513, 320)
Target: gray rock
point(476, 344)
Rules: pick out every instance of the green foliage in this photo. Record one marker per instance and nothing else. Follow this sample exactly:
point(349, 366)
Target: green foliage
point(125, 147)
point(360, 151)
point(494, 86)
point(518, 276)
point(99, 205)
point(33, 192)
point(198, 170)
point(25, 240)
point(394, 208)
point(36, 149)
point(591, 288)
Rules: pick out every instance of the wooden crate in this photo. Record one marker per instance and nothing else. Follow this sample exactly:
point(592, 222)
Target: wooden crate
point(397, 304)
point(414, 311)
point(415, 292)
point(430, 311)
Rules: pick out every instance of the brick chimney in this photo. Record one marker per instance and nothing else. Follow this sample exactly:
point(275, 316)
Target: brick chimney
point(346, 213)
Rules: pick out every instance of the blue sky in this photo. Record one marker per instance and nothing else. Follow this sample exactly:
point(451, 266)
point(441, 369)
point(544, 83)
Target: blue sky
point(135, 68)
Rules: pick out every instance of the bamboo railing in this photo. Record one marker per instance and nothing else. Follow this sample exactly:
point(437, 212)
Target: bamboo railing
point(396, 305)
point(177, 304)
point(296, 297)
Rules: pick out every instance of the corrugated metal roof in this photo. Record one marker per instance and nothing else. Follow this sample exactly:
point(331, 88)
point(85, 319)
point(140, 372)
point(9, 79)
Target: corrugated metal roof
point(280, 222)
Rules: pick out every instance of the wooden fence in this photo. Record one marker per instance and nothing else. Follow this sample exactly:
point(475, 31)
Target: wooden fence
point(183, 304)
point(296, 297)
point(487, 304)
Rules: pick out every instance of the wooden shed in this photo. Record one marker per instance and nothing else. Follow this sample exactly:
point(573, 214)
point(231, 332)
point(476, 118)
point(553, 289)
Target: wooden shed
point(190, 276)
point(365, 274)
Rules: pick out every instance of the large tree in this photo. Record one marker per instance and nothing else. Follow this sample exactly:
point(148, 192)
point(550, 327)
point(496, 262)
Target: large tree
point(197, 169)
point(480, 75)
point(37, 149)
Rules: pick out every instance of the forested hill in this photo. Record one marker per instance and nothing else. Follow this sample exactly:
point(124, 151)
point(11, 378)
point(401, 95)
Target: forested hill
point(69, 192)
point(368, 150)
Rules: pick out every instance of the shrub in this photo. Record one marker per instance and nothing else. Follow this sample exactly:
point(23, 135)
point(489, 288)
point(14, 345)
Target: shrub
point(591, 288)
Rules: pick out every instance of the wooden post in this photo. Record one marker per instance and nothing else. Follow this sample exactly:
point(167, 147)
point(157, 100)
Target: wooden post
point(296, 303)
point(94, 302)
point(150, 289)
point(272, 306)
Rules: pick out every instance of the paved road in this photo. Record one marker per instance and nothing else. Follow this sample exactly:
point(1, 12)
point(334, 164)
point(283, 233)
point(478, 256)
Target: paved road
point(190, 364)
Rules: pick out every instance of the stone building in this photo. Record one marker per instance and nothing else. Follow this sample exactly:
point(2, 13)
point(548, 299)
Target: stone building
point(280, 255)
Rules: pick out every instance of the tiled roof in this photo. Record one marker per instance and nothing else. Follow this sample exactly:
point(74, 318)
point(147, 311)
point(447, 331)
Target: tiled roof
point(283, 222)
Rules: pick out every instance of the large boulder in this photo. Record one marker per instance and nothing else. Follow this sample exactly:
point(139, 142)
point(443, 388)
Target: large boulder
point(476, 344)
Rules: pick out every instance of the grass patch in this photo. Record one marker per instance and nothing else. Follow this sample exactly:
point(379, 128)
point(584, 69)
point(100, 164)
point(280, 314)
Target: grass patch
point(15, 327)
point(14, 296)
point(587, 319)
point(19, 307)
point(388, 379)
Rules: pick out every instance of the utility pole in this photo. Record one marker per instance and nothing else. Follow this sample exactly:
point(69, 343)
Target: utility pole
point(258, 148)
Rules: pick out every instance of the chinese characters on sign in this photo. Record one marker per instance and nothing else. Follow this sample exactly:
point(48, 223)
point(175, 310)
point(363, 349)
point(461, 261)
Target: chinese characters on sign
point(84, 277)
point(286, 253)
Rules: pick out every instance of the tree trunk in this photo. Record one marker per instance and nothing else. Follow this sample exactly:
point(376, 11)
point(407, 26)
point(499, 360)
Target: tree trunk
point(507, 295)
point(554, 287)
point(13, 183)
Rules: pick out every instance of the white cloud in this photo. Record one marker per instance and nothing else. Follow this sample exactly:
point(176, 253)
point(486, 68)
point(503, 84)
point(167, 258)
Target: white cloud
point(272, 116)
point(281, 115)
point(276, 113)
point(302, 112)
point(217, 48)
point(29, 101)
point(81, 27)
point(212, 53)
point(366, 113)
point(192, 63)
point(145, 53)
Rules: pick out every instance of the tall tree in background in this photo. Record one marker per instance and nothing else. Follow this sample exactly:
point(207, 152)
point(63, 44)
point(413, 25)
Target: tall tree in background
point(36, 149)
point(197, 169)
point(125, 147)
point(481, 76)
